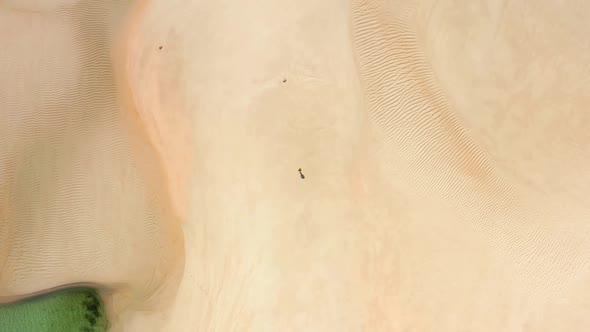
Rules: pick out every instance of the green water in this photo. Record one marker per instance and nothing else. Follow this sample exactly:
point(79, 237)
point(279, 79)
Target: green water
point(70, 310)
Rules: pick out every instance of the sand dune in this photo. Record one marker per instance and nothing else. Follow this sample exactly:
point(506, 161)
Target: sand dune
point(151, 148)
point(79, 203)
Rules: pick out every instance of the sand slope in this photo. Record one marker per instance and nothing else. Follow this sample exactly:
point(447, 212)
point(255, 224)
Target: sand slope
point(79, 199)
point(444, 147)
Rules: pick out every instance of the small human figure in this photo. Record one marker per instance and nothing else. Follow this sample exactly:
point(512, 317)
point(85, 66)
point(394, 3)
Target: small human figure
point(301, 174)
point(160, 47)
point(284, 80)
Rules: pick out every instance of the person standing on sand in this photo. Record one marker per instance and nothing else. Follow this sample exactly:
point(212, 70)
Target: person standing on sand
point(301, 174)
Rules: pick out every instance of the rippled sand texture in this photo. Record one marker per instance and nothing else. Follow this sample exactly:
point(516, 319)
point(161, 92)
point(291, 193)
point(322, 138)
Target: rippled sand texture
point(482, 109)
point(82, 198)
point(444, 145)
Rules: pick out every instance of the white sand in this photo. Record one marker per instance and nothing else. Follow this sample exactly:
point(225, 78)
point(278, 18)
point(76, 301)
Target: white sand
point(444, 145)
